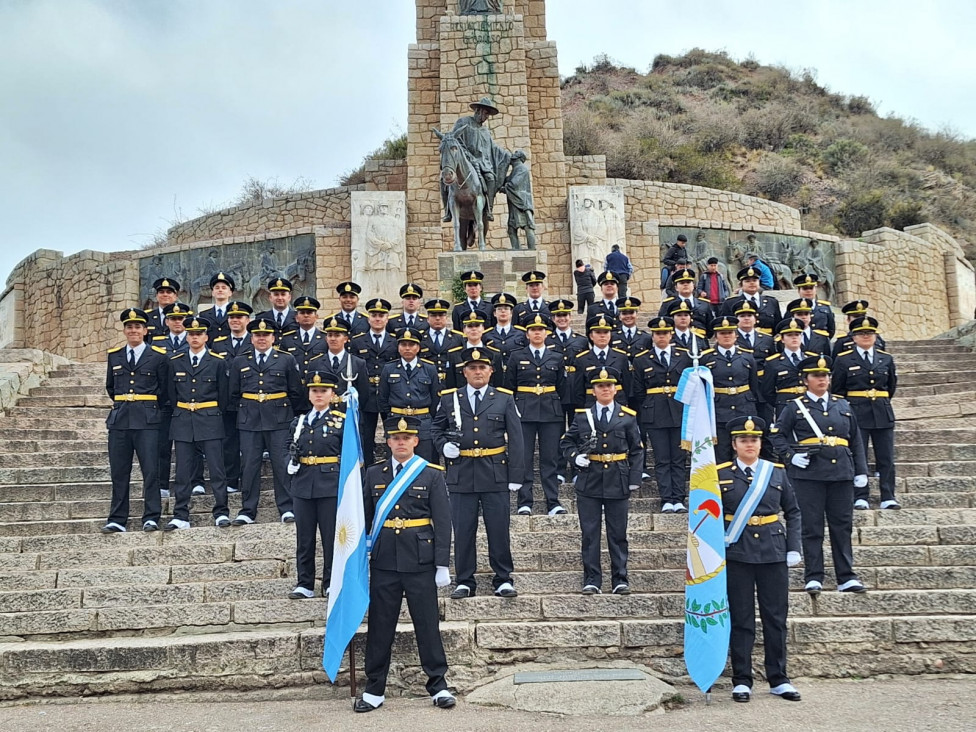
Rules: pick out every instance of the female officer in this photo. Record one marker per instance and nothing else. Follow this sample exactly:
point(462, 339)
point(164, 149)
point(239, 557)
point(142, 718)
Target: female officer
point(314, 468)
point(758, 551)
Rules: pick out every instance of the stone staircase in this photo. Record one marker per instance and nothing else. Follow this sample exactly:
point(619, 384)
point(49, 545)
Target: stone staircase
point(83, 613)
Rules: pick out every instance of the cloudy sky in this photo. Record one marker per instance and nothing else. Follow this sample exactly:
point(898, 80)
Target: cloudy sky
point(119, 116)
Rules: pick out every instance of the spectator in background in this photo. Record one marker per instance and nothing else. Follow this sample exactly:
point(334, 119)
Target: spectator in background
point(619, 263)
point(766, 281)
point(712, 286)
point(585, 282)
point(675, 252)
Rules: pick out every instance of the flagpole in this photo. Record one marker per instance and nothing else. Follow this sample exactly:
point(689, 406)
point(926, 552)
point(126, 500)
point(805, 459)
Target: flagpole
point(352, 670)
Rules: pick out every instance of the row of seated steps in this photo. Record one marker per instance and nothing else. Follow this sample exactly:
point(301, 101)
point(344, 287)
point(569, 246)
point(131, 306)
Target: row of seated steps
point(206, 608)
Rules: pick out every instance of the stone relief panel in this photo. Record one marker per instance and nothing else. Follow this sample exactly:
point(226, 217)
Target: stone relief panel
point(379, 242)
point(250, 264)
point(8, 319)
point(596, 222)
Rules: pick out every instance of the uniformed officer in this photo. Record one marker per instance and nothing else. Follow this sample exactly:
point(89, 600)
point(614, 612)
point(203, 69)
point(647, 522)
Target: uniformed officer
point(736, 379)
point(748, 338)
point(305, 342)
point(817, 435)
point(136, 380)
point(222, 288)
point(535, 283)
point(569, 344)
point(607, 306)
point(410, 317)
point(506, 337)
point(265, 385)
point(823, 313)
point(852, 311)
point(766, 305)
point(409, 386)
point(315, 447)
point(536, 375)
point(811, 340)
point(701, 310)
point(474, 331)
point(167, 290)
point(689, 334)
point(604, 442)
point(865, 375)
point(782, 381)
point(439, 340)
point(376, 348)
point(198, 394)
point(656, 376)
point(600, 355)
point(409, 557)
point(348, 312)
point(282, 314)
point(479, 432)
point(230, 346)
point(627, 337)
point(173, 342)
point(473, 284)
point(761, 550)
point(339, 360)
point(174, 337)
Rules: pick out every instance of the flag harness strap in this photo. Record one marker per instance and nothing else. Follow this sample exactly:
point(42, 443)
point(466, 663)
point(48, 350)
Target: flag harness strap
point(760, 481)
point(392, 494)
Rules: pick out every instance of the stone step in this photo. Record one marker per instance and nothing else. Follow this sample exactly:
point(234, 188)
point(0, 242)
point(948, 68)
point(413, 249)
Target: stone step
point(937, 377)
point(90, 401)
point(47, 411)
point(929, 389)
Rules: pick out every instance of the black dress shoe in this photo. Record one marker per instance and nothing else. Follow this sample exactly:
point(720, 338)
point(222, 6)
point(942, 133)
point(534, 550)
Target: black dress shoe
point(740, 696)
point(445, 702)
point(362, 705)
point(462, 591)
point(506, 592)
point(789, 695)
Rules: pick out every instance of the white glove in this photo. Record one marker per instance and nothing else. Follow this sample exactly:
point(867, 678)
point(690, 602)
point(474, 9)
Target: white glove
point(515, 487)
point(582, 461)
point(792, 559)
point(451, 450)
point(443, 577)
point(860, 481)
point(293, 467)
point(633, 488)
point(800, 460)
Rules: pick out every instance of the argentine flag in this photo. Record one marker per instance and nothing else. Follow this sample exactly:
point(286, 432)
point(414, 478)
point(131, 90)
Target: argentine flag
point(349, 594)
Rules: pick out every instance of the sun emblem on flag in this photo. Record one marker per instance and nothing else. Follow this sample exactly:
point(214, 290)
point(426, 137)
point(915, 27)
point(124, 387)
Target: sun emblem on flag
point(344, 538)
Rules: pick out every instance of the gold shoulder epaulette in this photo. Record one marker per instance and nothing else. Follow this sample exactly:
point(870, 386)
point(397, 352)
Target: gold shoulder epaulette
point(115, 350)
point(774, 357)
point(317, 355)
point(504, 390)
point(157, 349)
point(707, 351)
point(726, 482)
point(812, 353)
point(622, 353)
point(667, 300)
point(426, 361)
point(288, 333)
point(436, 466)
point(457, 332)
point(834, 397)
point(824, 302)
point(421, 315)
point(461, 302)
point(221, 338)
point(217, 355)
point(580, 411)
point(821, 332)
point(490, 347)
point(359, 335)
point(337, 413)
point(845, 353)
point(448, 391)
point(880, 350)
point(723, 465)
point(646, 350)
point(178, 355)
point(628, 410)
point(455, 349)
point(582, 353)
point(160, 338)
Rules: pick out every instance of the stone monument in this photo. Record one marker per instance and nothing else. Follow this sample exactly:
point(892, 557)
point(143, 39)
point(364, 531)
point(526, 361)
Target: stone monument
point(379, 242)
point(596, 222)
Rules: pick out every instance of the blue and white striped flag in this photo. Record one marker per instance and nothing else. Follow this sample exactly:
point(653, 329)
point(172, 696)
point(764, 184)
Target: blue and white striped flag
point(349, 593)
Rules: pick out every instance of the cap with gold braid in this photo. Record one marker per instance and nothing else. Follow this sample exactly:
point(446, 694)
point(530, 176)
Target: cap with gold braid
point(411, 290)
point(864, 324)
point(472, 277)
point(194, 324)
point(661, 324)
point(856, 307)
point(307, 303)
point(166, 283)
point(725, 323)
point(348, 288)
point(503, 299)
point(790, 325)
point(262, 326)
point(133, 315)
point(236, 307)
point(605, 376)
point(628, 304)
point(800, 305)
point(816, 365)
point(225, 278)
point(321, 379)
point(747, 427)
point(600, 322)
point(401, 425)
point(746, 308)
point(437, 306)
point(679, 307)
point(684, 275)
point(409, 334)
point(177, 310)
point(534, 276)
point(378, 305)
point(475, 355)
point(806, 279)
point(279, 284)
point(606, 277)
point(748, 273)
point(537, 320)
point(562, 306)
point(473, 317)
point(335, 325)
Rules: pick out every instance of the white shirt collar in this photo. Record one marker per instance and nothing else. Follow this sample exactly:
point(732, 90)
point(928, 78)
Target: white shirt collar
point(471, 390)
point(200, 354)
point(726, 351)
point(310, 331)
point(743, 466)
point(663, 350)
point(266, 354)
point(598, 351)
point(479, 344)
point(861, 352)
point(413, 363)
point(373, 333)
point(137, 350)
point(568, 332)
point(825, 397)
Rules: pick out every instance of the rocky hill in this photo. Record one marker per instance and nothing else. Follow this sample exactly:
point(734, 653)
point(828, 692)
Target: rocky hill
point(706, 119)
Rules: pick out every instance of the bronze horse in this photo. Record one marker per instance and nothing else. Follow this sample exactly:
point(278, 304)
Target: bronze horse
point(466, 197)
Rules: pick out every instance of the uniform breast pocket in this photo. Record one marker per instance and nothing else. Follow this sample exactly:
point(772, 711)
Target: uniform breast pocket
point(425, 546)
point(417, 495)
point(277, 373)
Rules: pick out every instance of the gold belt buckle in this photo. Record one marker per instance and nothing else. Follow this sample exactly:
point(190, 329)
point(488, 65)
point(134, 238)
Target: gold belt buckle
point(262, 396)
point(129, 397)
point(830, 441)
point(476, 452)
point(374, 379)
point(754, 521)
point(409, 411)
point(669, 390)
point(538, 389)
point(604, 458)
point(733, 390)
point(192, 407)
point(871, 393)
point(398, 523)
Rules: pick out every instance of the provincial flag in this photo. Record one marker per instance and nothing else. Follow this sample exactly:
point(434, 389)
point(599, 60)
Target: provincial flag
point(707, 622)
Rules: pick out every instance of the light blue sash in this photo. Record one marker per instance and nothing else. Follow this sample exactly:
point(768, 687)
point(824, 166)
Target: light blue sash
point(404, 480)
point(760, 481)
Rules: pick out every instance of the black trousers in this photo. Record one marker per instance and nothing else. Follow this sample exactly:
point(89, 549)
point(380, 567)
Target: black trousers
point(769, 584)
point(368, 423)
point(496, 510)
point(187, 462)
point(723, 448)
point(584, 301)
point(548, 434)
point(884, 461)
point(614, 511)
point(253, 444)
point(122, 444)
point(314, 515)
point(669, 463)
point(386, 591)
point(232, 450)
point(425, 448)
point(164, 453)
point(835, 501)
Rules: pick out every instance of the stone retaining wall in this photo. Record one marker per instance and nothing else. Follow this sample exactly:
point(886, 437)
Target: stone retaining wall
point(22, 369)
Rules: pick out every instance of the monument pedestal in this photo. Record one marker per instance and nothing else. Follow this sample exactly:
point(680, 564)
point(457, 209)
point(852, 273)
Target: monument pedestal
point(503, 269)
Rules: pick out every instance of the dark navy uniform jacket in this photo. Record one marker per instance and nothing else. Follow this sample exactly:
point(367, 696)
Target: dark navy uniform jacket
point(455, 375)
point(278, 376)
point(324, 439)
point(496, 424)
point(357, 367)
point(150, 376)
point(587, 362)
point(451, 342)
point(224, 345)
point(398, 322)
point(218, 326)
point(205, 383)
point(524, 310)
point(701, 311)
point(292, 343)
point(606, 479)
point(417, 390)
point(546, 380)
point(410, 549)
point(823, 318)
point(375, 359)
point(761, 347)
point(360, 321)
point(768, 310)
point(288, 322)
point(851, 373)
point(781, 381)
point(659, 410)
point(640, 341)
point(832, 462)
point(767, 543)
point(506, 345)
point(463, 308)
point(736, 371)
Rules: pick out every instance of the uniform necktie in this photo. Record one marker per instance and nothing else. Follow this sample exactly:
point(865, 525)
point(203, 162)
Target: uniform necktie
point(806, 339)
point(261, 358)
point(305, 338)
point(409, 369)
point(605, 417)
point(220, 313)
point(176, 342)
point(611, 309)
point(684, 339)
point(195, 360)
point(749, 338)
point(603, 358)
point(132, 359)
point(399, 467)
point(376, 340)
point(281, 319)
point(335, 364)
point(664, 358)
point(795, 359)
point(822, 404)
point(237, 343)
point(867, 358)
point(535, 306)
point(316, 418)
point(538, 356)
point(564, 338)
point(410, 321)
point(748, 472)
point(477, 399)
point(437, 339)
point(473, 304)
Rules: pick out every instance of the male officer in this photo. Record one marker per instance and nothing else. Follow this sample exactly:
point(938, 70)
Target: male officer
point(701, 310)
point(596, 357)
point(852, 311)
point(376, 348)
point(474, 302)
point(410, 317)
point(782, 381)
point(536, 376)
point(865, 376)
point(167, 289)
point(688, 333)
point(816, 434)
point(230, 346)
point(750, 340)
point(409, 387)
point(478, 430)
point(823, 314)
point(222, 288)
point(410, 557)
point(474, 330)
point(174, 338)
point(736, 379)
point(656, 376)
point(282, 314)
point(535, 282)
point(306, 341)
point(172, 343)
point(136, 380)
point(607, 305)
point(349, 293)
point(766, 305)
point(627, 337)
point(439, 341)
point(265, 385)
point(505, 337)
point(811, 340)
point(569, 344)
point(339, 360)
point(198, 395)
point(604, 442)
